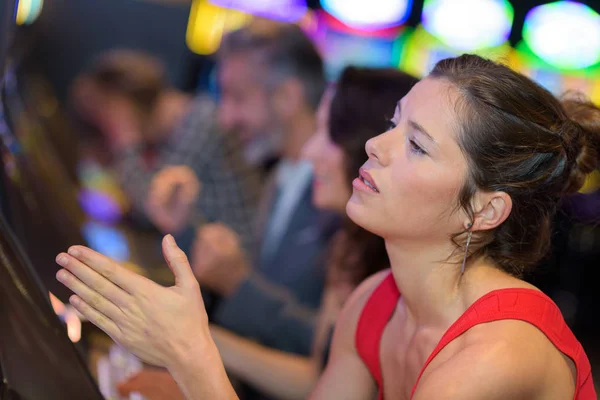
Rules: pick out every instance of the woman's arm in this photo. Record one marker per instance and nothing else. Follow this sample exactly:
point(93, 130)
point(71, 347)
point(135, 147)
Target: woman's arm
point(282, 374)
point(200, 374)
point(275, 373)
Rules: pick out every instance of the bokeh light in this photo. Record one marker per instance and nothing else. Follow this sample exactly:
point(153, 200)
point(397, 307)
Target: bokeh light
point(28, 11)
point(564, 34)
point(281, 10)
point(420, 51)
point(469, 25)
point(369, 14)
point(208, 23)
point(106, 240)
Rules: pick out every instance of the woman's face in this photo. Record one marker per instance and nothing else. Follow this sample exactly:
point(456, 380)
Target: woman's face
point(417, 169)
point(331, 187)
point(102, 107)
point(87, 99)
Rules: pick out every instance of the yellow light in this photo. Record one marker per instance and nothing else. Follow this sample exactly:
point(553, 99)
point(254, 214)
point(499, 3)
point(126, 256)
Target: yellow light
point(208, 23)
point(595, 94)
point(28, 11)
point(421, 50)
point(23, 11)
point(592, 183)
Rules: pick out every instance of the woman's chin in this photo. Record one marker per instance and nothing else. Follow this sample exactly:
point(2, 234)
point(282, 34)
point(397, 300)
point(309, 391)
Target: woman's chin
point(359, 214)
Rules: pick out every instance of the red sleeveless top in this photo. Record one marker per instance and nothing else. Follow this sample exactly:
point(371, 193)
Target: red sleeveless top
point(522, 304)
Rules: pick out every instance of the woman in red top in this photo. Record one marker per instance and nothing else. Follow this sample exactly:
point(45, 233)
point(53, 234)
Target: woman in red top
point(462, 187)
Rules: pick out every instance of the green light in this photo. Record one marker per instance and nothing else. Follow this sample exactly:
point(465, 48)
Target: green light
point(469, 25)
point(564, 34)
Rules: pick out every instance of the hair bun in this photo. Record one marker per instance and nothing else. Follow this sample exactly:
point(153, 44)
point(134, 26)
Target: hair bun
point(581, 136)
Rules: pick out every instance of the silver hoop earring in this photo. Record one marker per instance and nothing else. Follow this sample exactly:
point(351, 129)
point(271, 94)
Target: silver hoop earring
point(462, 269)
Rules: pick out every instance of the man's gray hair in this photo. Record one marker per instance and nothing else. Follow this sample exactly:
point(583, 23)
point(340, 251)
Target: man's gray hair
point(286, 52)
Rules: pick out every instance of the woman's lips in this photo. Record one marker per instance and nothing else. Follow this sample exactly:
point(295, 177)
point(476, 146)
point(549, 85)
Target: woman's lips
point(364, 178)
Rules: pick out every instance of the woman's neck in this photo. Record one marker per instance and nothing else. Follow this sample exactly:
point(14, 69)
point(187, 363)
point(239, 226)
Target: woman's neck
point(433, 289)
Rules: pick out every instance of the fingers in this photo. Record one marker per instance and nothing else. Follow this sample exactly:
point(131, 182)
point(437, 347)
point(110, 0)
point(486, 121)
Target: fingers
point(190, 185)
point(92, 298)
point(122, 277)
point(178, 262)
point(160, 188)
point(161, 217)
point(203, 256)
point(217, 235)
point(167, 180)
point(57, 305)
point(96, 317)
point(214, 246)
point(73, 325)
point(94, 280)
point(171, 197)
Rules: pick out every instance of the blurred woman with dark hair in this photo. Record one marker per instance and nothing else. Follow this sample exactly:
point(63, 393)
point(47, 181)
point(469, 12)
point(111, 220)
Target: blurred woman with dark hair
point(124, 99)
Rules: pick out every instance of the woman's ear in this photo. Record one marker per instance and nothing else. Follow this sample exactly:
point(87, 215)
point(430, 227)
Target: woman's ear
point(494, 208)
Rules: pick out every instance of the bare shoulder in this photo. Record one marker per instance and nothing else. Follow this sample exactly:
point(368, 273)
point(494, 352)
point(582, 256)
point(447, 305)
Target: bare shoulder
point(362, 293)
point(356, 302)
point(506, 359)
point(346, 376)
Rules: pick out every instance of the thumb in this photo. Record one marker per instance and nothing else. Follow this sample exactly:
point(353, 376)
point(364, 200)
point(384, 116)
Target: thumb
point(178, 263)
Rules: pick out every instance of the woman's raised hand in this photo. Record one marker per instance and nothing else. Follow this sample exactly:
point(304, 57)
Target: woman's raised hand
point(158, 324)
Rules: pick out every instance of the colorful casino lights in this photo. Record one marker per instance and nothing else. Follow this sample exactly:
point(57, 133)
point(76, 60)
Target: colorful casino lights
point(468, 25)
point(565, 34)
point(208, 23)
point(420, 51)
point(28, 11)
point(369, 14)
point(281, 10)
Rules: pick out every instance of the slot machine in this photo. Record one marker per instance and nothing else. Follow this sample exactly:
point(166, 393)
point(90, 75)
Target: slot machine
point(40, 195)
point(37, 359)
point(40, 202)
point(31, 177)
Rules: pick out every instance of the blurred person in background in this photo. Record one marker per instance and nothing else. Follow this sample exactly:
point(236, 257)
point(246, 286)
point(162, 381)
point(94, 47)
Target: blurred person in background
point(195, 169)
point(272, 79)
point(350, 113)
point(128, 87)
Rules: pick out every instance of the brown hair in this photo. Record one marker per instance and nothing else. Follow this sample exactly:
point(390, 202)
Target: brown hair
point(519, 139)
point(135, 75)
point(364, 101)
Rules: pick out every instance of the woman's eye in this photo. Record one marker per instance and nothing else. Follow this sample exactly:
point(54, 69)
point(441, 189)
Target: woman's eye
point(391, 124)
point(415, 148)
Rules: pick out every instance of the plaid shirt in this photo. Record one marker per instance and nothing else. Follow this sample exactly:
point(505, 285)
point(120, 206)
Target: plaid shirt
point(230, 186)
